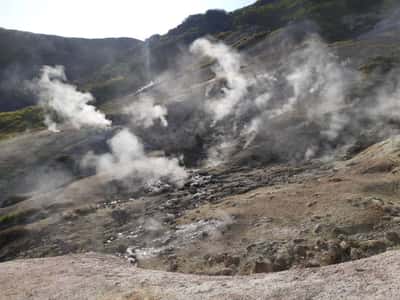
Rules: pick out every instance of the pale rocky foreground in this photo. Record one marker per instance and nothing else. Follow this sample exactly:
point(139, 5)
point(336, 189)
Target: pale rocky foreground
point(95, 276)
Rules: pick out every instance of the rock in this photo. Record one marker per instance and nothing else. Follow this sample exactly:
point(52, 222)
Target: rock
point(131, 252)
point(132, 260)
point(344, 245)
point(172, 257)
point(310, 254)
point(376, 202)
point(168, 218)
point(355, 253)
point(373, 246)
point(317, 228)
point(193, 190)
point(219, 258)
point(251, 247)
point(313, 264)
point(335, 251)
point(232, 261)
point(328, 258)
point(339, 231)
point(321, 245)
point(392, 237)
point(298, 241)
point(120, 216)
point(173, 267)
point(335, 179)
point(224, 272)
point(300, 250)
point(263, 266)
point(204, 235)
point(282, 261)
point(332, 255)
point(311, 204)
point(391, 210)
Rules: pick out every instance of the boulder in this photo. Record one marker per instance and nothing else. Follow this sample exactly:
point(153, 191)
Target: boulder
point(355, 254)
point(263, 266)
point(392, 237)
point(300, 250)
point(232, 261)
point(373, 246)
point(283, 261)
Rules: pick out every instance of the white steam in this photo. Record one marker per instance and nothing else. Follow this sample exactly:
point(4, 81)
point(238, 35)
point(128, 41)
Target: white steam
point(64, 100)
point(144, 112)
point(387, 104)
point(298, 108)
point(127, 158)
point(51, 125)
point(320, 84)
point(227, 68)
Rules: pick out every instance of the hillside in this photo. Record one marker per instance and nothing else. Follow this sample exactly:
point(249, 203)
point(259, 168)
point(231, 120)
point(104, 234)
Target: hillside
point(114, 67)
point(259, 141)
point(23, 54)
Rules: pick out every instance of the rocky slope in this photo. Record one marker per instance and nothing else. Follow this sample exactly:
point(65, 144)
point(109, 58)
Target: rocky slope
point(262, 211)
point(260, 219)
point(300, 172)
point(23, 54)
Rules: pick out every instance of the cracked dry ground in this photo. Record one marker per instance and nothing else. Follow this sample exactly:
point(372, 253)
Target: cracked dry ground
point(224, 221)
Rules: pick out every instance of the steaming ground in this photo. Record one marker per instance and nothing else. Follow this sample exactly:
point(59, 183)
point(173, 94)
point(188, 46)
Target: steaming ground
point(223, 220)
point(230, 163)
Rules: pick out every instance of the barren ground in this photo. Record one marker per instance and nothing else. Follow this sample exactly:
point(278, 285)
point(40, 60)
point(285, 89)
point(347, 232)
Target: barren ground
point(94, 276)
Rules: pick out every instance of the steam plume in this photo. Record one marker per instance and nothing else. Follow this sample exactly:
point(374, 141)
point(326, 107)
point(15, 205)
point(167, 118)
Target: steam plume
point(66, 102)
point(144, 112)
point(127, 158)
point(227, 68)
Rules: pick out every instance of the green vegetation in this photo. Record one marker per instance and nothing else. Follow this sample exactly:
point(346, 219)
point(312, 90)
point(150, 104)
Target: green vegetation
point(19, 218)
point(10, 220)
point(329, 15)
point(6, 219)
point(12, 123)
point(249, 40)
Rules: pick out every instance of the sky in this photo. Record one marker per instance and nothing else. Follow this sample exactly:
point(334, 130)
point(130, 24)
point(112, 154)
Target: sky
point(104, 18)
